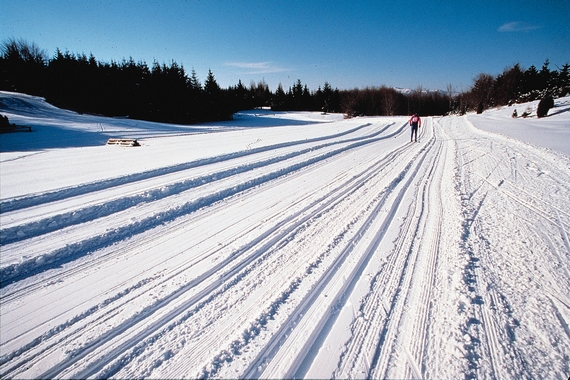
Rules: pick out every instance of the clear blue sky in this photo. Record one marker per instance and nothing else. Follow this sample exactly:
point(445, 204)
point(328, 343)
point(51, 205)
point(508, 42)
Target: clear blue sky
point(347, 43)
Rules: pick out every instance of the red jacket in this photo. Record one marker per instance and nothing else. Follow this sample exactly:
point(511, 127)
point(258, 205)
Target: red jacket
point(415, 120)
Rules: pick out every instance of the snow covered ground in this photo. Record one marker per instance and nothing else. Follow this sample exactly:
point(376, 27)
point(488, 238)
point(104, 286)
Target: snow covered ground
point(284, 245)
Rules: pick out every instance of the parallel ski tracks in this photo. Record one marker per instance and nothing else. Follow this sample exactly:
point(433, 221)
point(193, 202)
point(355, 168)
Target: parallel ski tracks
point(32, 200)
point(126, 227)
point(396, 309)
point(85, 351)
point(113, 195)
point(399, 352)
point(270, 359)
point(247, 255)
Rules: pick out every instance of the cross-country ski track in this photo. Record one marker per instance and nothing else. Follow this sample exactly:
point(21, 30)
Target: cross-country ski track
point(310, 246)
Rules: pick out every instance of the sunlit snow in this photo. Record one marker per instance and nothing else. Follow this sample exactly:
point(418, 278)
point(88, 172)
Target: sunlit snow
point(285, 244)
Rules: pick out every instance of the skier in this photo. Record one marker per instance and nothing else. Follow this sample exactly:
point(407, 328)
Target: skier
point(415, 122)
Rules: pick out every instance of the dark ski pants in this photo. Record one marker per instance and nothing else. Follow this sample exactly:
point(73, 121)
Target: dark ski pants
point(414, 133)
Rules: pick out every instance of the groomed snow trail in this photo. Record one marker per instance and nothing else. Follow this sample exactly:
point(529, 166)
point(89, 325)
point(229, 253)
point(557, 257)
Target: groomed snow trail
point(347, 253)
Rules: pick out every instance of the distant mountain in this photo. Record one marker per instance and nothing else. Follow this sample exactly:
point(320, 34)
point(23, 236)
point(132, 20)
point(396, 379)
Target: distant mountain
point(407, 91)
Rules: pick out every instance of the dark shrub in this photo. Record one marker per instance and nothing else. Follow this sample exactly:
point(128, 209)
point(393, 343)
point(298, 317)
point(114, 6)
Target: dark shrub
point(5, 124)
point(544, 105)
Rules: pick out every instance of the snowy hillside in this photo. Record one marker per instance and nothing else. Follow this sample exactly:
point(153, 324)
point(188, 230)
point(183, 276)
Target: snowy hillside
point(284, 245)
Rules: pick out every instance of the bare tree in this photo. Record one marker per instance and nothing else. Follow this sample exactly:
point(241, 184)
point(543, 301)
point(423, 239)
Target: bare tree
point(389, 98)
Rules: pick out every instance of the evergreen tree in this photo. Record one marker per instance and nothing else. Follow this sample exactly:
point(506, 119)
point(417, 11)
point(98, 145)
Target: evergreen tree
point(307, 100)
point(214, 107)
point(544, 77)
point(297, 95)
point(327, 98)
point(211, 87)
point(239, 97)
point(195, 98)
point(563, 82)
point(194, 84)
point(280, 99)
point(530, 84)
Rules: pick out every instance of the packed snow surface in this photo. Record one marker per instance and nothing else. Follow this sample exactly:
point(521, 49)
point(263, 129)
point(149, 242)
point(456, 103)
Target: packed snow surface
point(283, 245)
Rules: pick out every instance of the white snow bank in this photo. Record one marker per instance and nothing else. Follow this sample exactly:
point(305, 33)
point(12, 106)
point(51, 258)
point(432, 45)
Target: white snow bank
point(552, 131)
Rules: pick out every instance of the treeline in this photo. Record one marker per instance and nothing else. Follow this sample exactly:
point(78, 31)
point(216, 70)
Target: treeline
point(514, 85)
point(386, 101)
point(161, 92)
point(158, 93)
point(167, 93)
